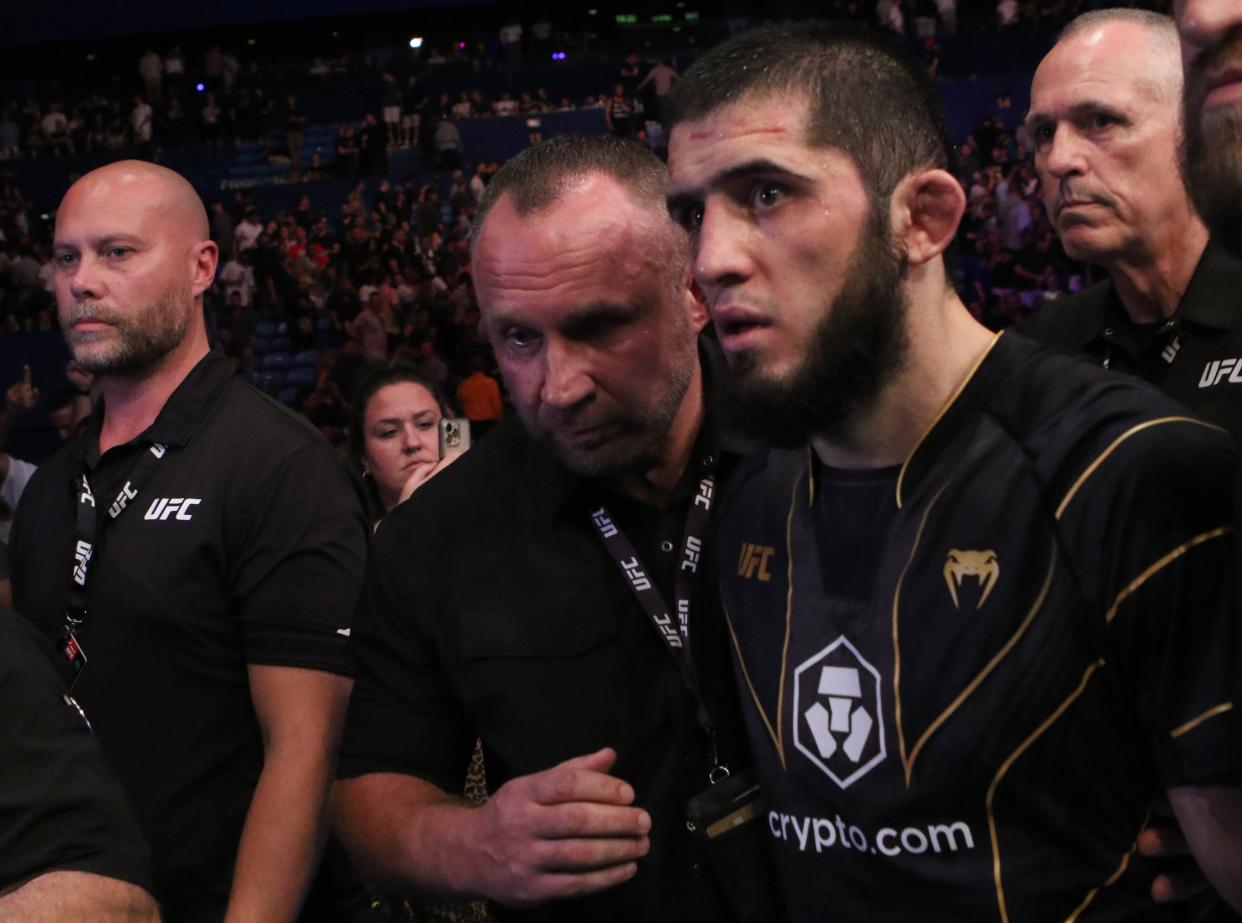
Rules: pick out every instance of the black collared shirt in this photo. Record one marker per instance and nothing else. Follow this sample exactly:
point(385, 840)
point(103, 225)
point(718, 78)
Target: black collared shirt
point(1049, 641)
point(1195, 356)
point(492, 609)
point(245, 546)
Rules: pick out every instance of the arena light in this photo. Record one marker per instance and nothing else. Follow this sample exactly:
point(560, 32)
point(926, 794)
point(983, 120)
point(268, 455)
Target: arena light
point(416, 41)
point(558, 56)
point(200, 87)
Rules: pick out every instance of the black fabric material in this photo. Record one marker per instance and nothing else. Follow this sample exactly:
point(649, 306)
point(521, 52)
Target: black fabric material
point(61, 807)
point(1182, 356)
point(1053, 608)
point(264, 569)
point(534, 642)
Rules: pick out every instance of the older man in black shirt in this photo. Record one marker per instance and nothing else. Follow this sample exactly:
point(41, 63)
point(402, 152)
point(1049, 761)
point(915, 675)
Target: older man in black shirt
point(494, 607)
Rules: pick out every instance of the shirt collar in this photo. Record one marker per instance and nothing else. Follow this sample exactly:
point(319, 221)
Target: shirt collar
point(1209, 300)
point(182, 412)
point(971, 394)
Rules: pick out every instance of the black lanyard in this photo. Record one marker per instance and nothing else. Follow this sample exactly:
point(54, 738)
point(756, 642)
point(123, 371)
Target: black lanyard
point(86, 537)
point(676, 638)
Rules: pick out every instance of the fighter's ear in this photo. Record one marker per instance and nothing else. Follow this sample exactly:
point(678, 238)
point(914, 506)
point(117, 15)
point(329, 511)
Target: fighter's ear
point(927, 207)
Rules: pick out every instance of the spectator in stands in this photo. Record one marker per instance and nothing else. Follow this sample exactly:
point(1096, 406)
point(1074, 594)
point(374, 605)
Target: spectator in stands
point(506, 105)
point(140, 119)
point(394, 433)
point(151, 69)
point(373, 153)
point(479, 397)
point(367, 328)
point(390, 101)
point(660, 77)
point(1104, 149)
point(448, 145)
point(413, 100)
point(347, 151)
point(174, 68)
point(294, 121)
point(619, 112)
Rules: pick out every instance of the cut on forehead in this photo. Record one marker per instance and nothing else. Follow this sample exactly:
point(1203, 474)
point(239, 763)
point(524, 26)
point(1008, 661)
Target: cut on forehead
point(156, 187)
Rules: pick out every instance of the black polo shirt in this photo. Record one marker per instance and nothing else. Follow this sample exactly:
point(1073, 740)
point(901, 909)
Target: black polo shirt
point(245, 546)
point(61, 807)
point(1195, 356)
point(1048, 642)
point(492, 609)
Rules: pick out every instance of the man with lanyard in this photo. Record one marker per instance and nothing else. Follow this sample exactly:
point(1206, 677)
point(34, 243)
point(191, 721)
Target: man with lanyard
point(1105, 121)
point(541, 594)
point(999, 618)
point(193, 557)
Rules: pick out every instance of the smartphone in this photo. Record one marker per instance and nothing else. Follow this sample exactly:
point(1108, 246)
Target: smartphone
point(454, 436)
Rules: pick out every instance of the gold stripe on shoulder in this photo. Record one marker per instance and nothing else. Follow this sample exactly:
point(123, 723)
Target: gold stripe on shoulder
point(1198, 720)
point(1007, 765)
point(961, 386)
point(1099, 459)
point(1161, 564)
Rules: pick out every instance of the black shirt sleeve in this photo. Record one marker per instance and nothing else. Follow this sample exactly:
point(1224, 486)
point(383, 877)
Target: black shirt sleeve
point(1162, 573)
point(403, 714)
point(300, 569)
point(61, 809)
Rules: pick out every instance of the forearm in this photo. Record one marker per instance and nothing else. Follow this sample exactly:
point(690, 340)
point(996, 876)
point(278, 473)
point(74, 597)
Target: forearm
point(78, 897)
point(280, 844)
point(410, 836)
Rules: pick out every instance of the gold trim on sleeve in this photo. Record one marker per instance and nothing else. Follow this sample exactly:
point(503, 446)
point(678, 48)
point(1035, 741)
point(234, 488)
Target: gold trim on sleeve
point(1099, 459)
point(1005, 767)
point(918, 537)
point(1164, 561)
point(983, 674)
point(957, 392)
point(1196, 721)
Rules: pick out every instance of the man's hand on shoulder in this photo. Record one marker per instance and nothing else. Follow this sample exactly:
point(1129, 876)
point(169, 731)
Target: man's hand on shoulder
point(564, 832)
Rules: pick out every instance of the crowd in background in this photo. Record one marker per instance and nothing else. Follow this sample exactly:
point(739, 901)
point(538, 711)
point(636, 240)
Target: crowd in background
point(386, 274)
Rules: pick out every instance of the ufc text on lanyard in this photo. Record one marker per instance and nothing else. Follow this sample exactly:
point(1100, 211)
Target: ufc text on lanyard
point(87, 533)
point(652, 600)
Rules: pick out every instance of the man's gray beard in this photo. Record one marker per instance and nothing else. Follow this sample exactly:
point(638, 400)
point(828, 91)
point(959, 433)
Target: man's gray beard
point(142, 342)
point(1212, 154)
point(856, 347)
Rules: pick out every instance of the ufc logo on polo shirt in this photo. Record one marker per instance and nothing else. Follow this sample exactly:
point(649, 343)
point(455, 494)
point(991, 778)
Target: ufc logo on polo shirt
point(162, 508)
point(1219, 370)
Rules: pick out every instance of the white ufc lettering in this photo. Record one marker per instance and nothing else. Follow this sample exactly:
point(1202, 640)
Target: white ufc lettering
point(636, 575)
point(179, 507)
point(694, 545)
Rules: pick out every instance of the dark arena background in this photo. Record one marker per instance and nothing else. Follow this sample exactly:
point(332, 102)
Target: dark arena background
point(340, 148)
